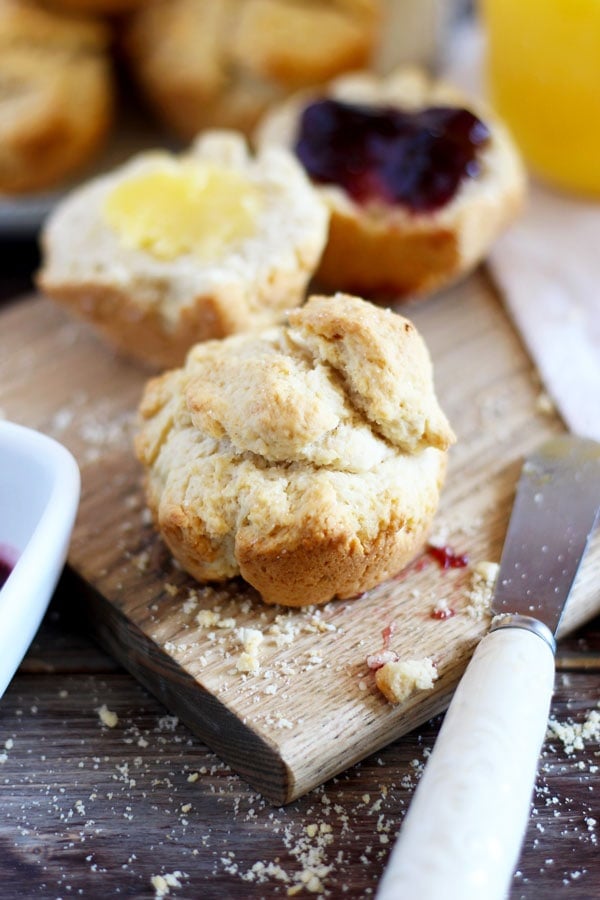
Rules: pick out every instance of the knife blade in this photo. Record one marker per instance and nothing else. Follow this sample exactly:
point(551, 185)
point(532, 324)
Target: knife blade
point(556, 506)
point(462, 835)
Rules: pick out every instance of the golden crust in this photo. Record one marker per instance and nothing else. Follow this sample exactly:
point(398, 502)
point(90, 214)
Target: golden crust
point(370, 346)
point(367, 256)
point(57, 102)
point(301, 529)
point(27, 25)
point(322, 566)
point(294, 44)
point(97, 7)
point(138, 331)
point(383, 250)
point(153, 310)
point(205, 64)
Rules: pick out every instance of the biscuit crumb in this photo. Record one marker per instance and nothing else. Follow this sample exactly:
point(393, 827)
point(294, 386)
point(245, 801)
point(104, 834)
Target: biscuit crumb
point(107, 716)
point(398, 680)
point(574, 734)
point(248, 664)
point(162, 883)
point(480, 593)
point(544, 404)
point(250, 639)
point(207, 617)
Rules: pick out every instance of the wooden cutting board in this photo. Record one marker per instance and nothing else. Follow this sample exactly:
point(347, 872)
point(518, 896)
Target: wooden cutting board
point(313, 708)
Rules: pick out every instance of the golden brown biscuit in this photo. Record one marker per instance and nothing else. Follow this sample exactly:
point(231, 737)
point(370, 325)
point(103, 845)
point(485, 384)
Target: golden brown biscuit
point(378, 247)
point(95, 7)
point(56, 101)
point(307, 458)
point(170, 250)
point(220, 64)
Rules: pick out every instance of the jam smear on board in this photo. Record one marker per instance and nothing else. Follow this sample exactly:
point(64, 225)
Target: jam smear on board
point(447, 557)
point(444, 612)
point(416, 159)
point(386, 635)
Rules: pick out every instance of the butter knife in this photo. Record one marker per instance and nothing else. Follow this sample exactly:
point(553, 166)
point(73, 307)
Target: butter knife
point(462, 835)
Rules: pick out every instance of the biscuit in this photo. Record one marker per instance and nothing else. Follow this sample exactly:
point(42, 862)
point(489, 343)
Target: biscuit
point(57, 95)
point(379, 247)
point(97, 7)
point(147, 282)
point(220, 64)
point(307, 458)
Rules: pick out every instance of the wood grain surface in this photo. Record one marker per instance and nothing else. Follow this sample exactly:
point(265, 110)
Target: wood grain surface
point(313, 709)
point(96, 812)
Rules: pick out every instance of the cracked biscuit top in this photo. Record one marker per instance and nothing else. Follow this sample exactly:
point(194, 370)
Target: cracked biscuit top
point(344, 385)
point(321, 439)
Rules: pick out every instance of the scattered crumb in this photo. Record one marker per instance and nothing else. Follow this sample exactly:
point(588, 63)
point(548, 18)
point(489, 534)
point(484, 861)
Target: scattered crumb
point(250, 639)
point(190, 603)
point(544, 404)
point(162, 883)
point(573, 735)
point(479, 595)
point(107, 716)
point(400, 679)
point(207, 618)
point(440, 536)
point(142, 561)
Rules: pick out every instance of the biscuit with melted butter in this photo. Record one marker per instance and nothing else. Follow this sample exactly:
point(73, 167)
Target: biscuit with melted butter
point(171, 250)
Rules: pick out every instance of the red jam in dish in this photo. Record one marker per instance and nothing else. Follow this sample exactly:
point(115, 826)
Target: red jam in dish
point(414, 159)
point(8, 559)
point(5, 570)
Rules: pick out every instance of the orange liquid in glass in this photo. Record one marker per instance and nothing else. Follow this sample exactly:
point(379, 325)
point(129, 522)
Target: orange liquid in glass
point(543, 75)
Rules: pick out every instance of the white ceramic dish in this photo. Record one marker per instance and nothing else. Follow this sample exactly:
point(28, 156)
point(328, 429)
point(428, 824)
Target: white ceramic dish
point(39, 495)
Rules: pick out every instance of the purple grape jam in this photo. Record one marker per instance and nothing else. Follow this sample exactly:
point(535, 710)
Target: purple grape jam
point(415, 159)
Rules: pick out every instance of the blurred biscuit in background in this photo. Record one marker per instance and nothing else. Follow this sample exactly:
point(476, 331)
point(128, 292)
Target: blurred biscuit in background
point(96, 7)
point(57, 94)
point(202, 63)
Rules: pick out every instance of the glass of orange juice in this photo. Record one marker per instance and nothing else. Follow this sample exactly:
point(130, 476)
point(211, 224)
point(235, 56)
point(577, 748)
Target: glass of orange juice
point(543, 77)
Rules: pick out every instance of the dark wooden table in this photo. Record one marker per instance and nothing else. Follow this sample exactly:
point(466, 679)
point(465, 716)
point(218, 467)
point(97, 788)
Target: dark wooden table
point(144, 809)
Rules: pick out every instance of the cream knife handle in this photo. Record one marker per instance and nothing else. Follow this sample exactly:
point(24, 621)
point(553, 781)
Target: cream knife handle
point(462, 835)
